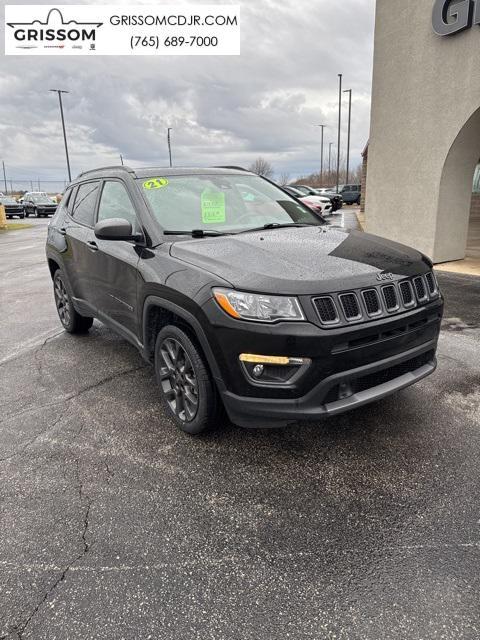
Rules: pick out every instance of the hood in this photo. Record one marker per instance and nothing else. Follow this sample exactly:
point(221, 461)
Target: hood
point(300, 260)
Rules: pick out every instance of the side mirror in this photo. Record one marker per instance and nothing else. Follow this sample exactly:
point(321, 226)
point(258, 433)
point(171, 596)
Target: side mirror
point(116, 229)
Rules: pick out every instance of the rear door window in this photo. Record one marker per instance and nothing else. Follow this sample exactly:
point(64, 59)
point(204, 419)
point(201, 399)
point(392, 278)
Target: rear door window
point(83, 210)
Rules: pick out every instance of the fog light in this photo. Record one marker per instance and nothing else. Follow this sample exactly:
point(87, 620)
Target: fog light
point(278, 360)
point(257, 370)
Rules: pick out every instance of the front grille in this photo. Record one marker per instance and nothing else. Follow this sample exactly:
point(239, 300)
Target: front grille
point(390, 297)
point(379, 301)
point(326, 309)
point(407, 293)
point(372, 302)
point(420, 290)
point(431, 284)
point(350, 306)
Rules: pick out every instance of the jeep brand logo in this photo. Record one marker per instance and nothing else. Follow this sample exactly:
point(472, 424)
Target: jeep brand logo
point(384, 276)
point(450, 16)
point(54, 29)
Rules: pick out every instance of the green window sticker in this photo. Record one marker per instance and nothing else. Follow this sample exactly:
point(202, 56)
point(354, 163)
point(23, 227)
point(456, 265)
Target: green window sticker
point(213, 207)
point(155, 183)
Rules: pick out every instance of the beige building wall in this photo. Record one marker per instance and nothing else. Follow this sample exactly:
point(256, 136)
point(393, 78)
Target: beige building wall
point(425, 130)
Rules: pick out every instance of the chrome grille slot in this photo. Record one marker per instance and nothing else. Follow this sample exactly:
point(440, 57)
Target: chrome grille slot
point(372, 302)
point(431, 283)
point(350, 306)
point(420, 289)
point(406, 290)
point(326, 309)
point(390, 297)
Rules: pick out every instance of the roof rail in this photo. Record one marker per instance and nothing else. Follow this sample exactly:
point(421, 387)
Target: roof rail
point(236, 168)
point(118, 166)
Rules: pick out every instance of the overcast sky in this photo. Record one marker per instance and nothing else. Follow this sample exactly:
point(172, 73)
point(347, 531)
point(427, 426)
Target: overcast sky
point(223, 110)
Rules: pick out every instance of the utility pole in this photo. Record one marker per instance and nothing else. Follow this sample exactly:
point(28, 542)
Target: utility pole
point(322, 126)
point(4, 176)
point(349, 91)
point(340, 77)
point(60, 91)
point(169, 145)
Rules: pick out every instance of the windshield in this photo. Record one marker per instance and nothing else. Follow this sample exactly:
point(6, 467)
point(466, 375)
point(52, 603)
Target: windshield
point(41, 200)
point(221, 203)
point(5, 200)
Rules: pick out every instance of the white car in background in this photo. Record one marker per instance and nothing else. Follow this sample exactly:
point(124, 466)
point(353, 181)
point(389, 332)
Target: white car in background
point(319, 204)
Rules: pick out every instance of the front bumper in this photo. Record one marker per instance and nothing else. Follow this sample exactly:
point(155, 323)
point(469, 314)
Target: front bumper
point(325, 399)
point(341, 359)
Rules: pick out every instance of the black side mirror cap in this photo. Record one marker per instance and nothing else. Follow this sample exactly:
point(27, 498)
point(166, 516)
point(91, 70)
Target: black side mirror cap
point(116, 229)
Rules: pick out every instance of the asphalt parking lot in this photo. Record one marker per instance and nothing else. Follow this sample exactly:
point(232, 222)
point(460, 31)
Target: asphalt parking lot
point(116, 525)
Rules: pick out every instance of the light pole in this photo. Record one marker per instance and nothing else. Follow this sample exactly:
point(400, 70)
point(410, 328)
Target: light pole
point(4, 176)
point(340, 77)
point(121, 159)
point(169, 145)
point(349, 91)
point(322, 126)
point(330, 159)
point(60, 91)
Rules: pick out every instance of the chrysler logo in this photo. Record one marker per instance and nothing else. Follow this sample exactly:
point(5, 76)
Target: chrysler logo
point(384, 276)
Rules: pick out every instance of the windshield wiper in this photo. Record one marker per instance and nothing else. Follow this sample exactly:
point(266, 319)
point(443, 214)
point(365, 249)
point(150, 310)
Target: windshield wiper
point(196, 233)
point(281, 225)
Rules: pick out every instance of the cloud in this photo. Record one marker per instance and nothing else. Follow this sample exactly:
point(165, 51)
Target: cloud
point(222, 109)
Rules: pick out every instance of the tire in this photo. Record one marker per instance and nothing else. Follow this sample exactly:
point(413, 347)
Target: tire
point(186, 386)
point(21, 216)
point(35, 213)
point(71, 320)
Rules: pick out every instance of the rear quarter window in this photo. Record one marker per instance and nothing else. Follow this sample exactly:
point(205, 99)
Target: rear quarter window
point(83, 209)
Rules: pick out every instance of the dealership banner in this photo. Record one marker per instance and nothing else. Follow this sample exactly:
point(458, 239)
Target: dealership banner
point(122, 30)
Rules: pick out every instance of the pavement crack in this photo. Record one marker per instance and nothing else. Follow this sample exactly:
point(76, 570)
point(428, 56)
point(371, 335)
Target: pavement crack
point(19, 453)
point(19, 630)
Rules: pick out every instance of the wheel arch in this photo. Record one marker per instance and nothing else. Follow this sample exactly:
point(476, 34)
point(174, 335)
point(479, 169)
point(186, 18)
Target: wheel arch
point(159, 312)
point(53, 266)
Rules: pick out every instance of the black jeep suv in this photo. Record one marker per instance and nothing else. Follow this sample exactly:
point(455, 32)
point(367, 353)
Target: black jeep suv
point(240, 296)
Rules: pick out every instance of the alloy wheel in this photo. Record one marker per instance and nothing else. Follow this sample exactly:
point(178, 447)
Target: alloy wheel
point(62, 302)
point(178, 380)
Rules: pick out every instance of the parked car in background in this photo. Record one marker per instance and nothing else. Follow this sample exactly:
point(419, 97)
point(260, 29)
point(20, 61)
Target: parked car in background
point(335, 198)
point(319, 204)
point(240, 296)
point(12, 207)
point(351, 193)
point(38, 204)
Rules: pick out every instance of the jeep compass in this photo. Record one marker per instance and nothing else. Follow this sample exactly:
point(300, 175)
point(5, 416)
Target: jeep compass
point(240, 296)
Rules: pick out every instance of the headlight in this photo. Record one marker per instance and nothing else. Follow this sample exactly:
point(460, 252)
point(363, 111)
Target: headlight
point(258, 306)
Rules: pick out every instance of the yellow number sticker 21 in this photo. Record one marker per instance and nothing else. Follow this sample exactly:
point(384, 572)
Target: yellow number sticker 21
point(155, 183)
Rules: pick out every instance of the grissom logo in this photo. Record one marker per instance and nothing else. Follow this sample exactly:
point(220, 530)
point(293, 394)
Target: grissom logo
point(54, 29)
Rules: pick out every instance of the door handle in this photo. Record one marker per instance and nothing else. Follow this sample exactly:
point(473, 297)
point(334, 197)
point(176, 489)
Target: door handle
point(93, 246)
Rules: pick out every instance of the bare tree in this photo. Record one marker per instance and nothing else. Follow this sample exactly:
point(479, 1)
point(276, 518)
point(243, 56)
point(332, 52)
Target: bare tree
point(284, 178)
point(262, 168)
